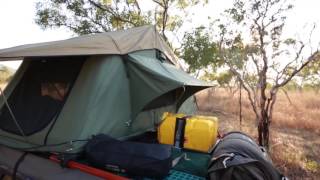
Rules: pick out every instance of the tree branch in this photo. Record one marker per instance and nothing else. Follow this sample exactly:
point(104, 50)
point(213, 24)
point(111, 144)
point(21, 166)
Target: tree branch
point(107, 9)
point(138, 7)
point(255, 62)
point(246, 87)
point(314, 56)
point(273, 98)
point(298, 54)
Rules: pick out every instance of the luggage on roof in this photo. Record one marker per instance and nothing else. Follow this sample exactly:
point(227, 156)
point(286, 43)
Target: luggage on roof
point(133, 158)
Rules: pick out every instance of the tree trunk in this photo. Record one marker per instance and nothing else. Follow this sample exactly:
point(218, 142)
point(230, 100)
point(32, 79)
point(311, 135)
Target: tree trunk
point(260, 127)
point(240, 104)
point(263, 131)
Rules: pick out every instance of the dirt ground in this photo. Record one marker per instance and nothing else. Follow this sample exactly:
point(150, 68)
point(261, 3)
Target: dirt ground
point(295, 151)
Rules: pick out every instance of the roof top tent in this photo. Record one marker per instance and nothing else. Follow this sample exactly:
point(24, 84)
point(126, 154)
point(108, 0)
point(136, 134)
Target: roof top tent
point(118, 83)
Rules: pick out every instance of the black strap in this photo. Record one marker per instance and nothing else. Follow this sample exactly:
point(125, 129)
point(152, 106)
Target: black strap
point(17, 164)
point(179, 132)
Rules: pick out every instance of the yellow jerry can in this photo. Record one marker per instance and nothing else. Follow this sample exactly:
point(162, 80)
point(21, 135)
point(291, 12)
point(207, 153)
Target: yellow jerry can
point(200, 132)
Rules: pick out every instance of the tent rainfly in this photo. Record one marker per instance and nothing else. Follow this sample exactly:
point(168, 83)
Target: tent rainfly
point(118, 83)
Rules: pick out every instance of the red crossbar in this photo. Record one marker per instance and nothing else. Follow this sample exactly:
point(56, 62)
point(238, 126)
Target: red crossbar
point(89, 170)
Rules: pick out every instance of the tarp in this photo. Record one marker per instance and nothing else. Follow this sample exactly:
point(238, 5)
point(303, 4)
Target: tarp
point(118, 42)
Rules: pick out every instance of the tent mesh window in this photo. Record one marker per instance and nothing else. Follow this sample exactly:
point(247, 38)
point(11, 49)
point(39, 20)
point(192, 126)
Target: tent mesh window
point(40, 94)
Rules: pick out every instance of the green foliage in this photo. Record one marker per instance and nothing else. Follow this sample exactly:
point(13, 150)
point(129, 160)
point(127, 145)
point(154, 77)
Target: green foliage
point(201, 52)
point(198, 51)
point(209, 77)
point(89, 16)
point(237, 12)
point(290, 41)
point(292, 86)
point(311, 75)
point(263, 19)
point(223, 79)
point(237, 53)
point(312, 69)
point(94, 16)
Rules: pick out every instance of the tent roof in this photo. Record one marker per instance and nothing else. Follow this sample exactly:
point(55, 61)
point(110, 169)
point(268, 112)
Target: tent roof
point(118, 42)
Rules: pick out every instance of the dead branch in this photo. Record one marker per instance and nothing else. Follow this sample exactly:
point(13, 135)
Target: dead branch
point(287, 96)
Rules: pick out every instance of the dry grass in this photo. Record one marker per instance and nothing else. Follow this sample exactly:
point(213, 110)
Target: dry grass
point(295, 130)
point(304, 112)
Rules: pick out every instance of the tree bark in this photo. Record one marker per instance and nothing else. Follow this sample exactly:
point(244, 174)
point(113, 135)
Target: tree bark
point(240, 104)
point(263, 131)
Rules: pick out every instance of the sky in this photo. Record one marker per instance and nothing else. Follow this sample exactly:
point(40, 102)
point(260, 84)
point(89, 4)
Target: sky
point(18, 26)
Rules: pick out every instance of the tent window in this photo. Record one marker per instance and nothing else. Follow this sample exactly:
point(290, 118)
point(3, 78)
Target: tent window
point(40, 94)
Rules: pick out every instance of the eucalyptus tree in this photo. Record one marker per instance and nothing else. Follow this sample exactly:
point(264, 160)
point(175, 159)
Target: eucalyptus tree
point(95, 16)
point(270, 58)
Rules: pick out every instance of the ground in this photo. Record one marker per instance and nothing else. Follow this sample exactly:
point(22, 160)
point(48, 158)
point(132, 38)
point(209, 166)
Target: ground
point(295, 136)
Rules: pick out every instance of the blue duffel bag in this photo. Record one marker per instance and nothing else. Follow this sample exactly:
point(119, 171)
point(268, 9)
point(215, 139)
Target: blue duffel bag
point(132, 158)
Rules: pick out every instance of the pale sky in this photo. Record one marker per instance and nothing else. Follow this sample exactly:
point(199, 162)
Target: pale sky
point(18, 26)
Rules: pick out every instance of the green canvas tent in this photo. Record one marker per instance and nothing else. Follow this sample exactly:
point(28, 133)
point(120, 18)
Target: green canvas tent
point(117, 83)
